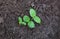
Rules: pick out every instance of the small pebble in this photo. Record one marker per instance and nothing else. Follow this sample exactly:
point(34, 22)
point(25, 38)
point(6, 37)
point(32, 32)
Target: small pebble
point(1, 20)
point(32, 4)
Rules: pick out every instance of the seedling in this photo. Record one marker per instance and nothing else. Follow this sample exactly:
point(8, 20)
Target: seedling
point(26, 19)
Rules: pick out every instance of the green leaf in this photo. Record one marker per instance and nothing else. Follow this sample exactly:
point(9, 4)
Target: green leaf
point(26, 18)
point(37, 19)
point(19, 20)
point(31, 24)
point(32, 12)
point(23, 23)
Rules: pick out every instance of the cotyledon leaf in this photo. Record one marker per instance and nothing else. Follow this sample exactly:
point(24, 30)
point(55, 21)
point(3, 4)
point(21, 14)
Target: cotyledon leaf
point(19, 20)
point(31, 24)
point(32, 12)
point(26, 18)
point(23, 23)
point(37, 19)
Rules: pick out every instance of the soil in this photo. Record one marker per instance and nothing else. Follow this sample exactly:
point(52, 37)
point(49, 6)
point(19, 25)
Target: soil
point(47, 10)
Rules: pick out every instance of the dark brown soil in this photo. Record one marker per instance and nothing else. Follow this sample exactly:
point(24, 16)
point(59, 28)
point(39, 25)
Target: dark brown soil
point(47, 10)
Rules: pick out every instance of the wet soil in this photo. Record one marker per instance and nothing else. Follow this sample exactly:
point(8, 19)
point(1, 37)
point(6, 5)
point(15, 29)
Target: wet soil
point(47, 10)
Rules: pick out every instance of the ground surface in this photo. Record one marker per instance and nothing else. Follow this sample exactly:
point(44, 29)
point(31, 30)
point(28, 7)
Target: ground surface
point(47, 10)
